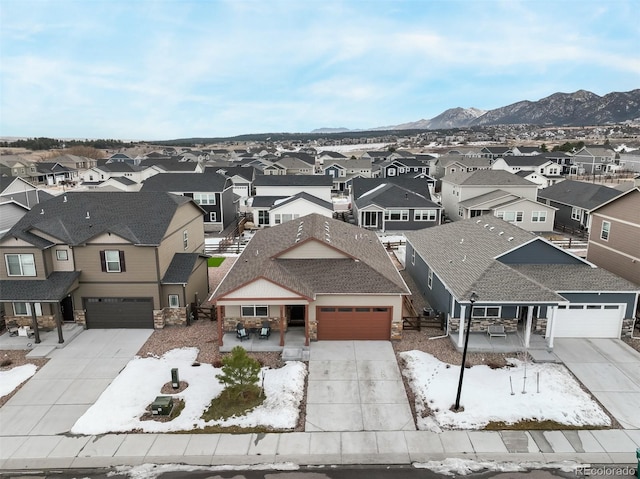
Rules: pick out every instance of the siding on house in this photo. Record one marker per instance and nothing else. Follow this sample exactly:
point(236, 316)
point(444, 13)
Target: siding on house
point(538, 252)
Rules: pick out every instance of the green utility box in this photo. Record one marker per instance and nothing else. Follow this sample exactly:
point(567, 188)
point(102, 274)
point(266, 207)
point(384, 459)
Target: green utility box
point(162, 406)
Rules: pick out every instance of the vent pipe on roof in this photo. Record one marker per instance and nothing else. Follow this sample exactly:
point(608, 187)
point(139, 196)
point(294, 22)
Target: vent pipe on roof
point(510, 238)
point(42, 212)
point(64, 199)
point(88, 217)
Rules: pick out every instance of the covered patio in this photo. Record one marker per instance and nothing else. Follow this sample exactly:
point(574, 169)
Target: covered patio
point(294, 347)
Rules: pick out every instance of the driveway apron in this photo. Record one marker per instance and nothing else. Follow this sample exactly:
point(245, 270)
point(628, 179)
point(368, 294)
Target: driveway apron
point(72, 380)
point(610, 369)
point(356, 386)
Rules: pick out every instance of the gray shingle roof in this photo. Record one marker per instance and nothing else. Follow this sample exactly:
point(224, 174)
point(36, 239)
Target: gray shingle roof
point(305, 196)
point(139, 217)
point(486, 178)
point(525, 160)
point(495, 198)
point(180, 268)
point(575, 277)
point(186, 182)
point(578, 193)
point(418, 185)
point(54, 288)
point(389, 195)
point(367, 268)
point(265, 201)
point(293, 180)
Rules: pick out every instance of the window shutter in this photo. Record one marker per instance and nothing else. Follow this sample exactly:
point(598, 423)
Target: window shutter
point(103, 261)
point(122, 267)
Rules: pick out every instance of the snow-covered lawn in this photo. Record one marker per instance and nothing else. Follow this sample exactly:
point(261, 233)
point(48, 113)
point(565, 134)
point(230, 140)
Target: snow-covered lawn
point(524, 391)
point(123, 403)
point(12, 378)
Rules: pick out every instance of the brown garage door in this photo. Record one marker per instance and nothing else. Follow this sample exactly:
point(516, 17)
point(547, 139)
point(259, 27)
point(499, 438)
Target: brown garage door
point(344, 322)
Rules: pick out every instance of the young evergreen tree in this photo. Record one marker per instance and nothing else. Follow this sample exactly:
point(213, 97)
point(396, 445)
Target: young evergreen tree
point(239, 370)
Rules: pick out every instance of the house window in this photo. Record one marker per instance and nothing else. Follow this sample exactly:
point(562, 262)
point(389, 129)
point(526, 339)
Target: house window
point(174, 301)
point(430, 278)
point(112, 261)
point(62, 255)
point(396, 215)
point(576, 214)
point(263, 217)
point(538, 216)
point(424, 215)
point(204, 198)
point(255, 311)
point(212, 216)
point(511, 216)
point(413, 257)
point(486, 312)
point(604, 232)
point(20, 264)
point(283, 218)
point(391, 172)
point(185, 239)
point(24, 309)
point(461, 211)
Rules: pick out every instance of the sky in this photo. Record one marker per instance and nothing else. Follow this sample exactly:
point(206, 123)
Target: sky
point(166, 69)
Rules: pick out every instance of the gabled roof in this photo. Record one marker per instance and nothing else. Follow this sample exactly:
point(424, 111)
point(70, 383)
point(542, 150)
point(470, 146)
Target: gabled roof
point(75, 217)
point(186, 182)
point(171, 164)
point(292, 162)
point(123, 179)
point(6, 181)
point(412, 162)
point(246, 172)
point(578, 193)
point(634, 189)
point(486, 178)
point(265, 202)
point(389, 195)
point(519, 161)
point(52, 289)
point(365, 268)
point(360, 186)
point(180, 268)
point(332, 154)
point(303, 196)
point(471, 255)
point(293, 180)
point(119, 167)
point(491, 200)
point(51, 167)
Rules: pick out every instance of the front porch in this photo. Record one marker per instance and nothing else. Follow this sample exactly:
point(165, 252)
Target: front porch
point(294, 344)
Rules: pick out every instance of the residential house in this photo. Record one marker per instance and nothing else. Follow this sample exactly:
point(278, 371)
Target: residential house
point(52, 173)
point(117, 183)
point(448, 164)
point(98, 174)
point(404, 166)
point(561, 158)
point(289, 185)
point(521, 281)
point(291, 165)
point(211, 191)
point(327, 155)
point(614, 236)
point(537, 169)
point(173, 165)
point(574, 201)
point(332, 277)
point(460, 186)
point(104, 260)
point(270, 211)
point(76, 162)
point(17, 196)
point(15, 165)
point(393, 204)
point(594, 160)
point(242, 178)
point(122, 158)
point(343, 171)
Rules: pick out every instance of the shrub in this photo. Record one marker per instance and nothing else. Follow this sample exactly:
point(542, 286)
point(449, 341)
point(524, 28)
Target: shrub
point(238, 369)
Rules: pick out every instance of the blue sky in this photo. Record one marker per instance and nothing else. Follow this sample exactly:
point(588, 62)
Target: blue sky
point(173, 69)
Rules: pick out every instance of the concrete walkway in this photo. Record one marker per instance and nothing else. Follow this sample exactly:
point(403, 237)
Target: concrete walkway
point(610, 369)
point(72, 380)
point(356, 386)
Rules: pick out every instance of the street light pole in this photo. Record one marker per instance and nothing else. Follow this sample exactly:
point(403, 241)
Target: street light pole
point(472, 299)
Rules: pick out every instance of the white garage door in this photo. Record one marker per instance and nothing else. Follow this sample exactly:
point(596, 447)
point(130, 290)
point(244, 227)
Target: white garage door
point(589, 321)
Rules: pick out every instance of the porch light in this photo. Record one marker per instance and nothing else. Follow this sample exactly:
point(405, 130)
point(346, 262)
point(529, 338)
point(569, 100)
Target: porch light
point(472, 299)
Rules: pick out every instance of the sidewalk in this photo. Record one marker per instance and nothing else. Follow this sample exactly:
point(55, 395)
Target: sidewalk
point(318, 448)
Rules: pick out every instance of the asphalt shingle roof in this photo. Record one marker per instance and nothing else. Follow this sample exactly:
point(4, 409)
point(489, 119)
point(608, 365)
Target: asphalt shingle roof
point(575, 277)
point(293, 180)
point(366, 268)
point(418, 185)
point(486, 178)
point(180, 268)
point(54, 288)
point(579, 193)
point(139, 217)
point(389, 195)
point(186, 182)
point(305, 196)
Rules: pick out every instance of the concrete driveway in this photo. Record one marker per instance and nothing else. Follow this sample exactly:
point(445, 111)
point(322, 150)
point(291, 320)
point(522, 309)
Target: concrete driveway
point(356, 386)
point(72, 380)
point(610, 369)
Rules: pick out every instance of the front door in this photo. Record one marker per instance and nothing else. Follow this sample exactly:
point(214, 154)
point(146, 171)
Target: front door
point(370, 219)
point(66, 306)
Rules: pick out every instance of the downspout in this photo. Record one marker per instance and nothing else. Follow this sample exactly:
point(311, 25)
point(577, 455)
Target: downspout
point(448, 322)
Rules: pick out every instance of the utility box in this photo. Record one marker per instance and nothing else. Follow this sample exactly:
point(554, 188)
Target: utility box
point(162, 406)
point(175, 380)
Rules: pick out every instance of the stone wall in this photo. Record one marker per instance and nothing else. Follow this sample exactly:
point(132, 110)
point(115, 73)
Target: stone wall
point(169, 317)
point(540, 326)
point(229, 324)
point(396, 330)
point(47, 321)
point(627, 328)
point(481, 325)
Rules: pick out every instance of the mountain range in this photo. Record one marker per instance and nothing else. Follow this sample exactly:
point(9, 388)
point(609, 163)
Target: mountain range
point(581, 108)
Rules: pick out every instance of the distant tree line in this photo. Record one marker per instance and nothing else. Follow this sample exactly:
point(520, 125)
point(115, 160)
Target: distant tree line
point(43, 143)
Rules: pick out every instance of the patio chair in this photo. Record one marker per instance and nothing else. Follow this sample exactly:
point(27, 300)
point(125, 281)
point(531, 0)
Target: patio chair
point(265, 331)
point(241, 332)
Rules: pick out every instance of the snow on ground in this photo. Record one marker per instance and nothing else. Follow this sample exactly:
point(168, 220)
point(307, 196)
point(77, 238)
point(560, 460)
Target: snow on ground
point(462, 467)
point(152, 471)
point(12, 378)
point(122, 404)
point(524, 391)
